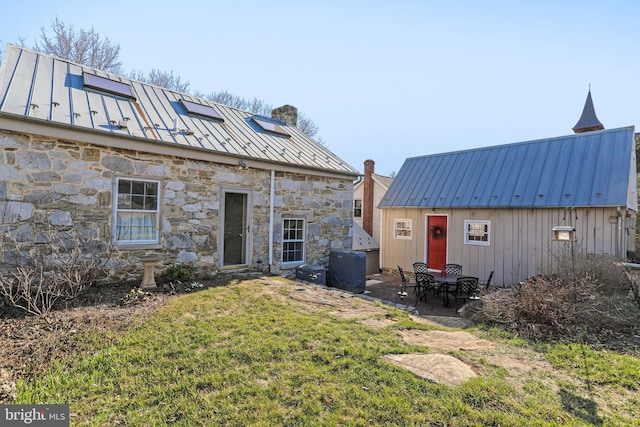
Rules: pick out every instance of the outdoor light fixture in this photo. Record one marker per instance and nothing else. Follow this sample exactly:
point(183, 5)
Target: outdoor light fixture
point(565, 233)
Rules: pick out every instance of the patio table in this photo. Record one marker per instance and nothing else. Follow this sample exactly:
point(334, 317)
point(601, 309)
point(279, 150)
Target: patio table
point(445, 281)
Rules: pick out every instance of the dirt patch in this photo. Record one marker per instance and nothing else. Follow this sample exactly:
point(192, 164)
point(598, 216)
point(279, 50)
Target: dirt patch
point(444, 341)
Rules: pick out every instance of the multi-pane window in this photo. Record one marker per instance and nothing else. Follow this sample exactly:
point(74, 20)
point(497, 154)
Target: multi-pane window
point(402, 229)
point(137, 211)
point(477, 232)
point(293, 240)
point(357, 208)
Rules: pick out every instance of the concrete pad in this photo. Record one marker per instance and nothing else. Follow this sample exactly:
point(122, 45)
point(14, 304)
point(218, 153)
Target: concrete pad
point(439, 368)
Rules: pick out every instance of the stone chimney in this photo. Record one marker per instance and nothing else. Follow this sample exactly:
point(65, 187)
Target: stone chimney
point(367, 197)
point(286, 113)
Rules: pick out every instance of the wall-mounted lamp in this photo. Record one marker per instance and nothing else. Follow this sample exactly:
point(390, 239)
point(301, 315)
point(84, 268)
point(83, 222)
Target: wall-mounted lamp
point(564, 233)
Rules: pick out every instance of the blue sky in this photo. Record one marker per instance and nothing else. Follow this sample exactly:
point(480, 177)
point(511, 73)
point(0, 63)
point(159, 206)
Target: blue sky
point(384, 80)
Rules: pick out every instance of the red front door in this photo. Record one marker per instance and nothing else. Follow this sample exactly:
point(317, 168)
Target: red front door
point(436, 242)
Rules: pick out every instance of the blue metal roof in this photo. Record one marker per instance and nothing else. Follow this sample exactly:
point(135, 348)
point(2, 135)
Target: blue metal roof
point(586, 169)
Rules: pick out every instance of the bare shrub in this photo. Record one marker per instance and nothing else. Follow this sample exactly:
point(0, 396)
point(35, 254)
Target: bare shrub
point(42, 266)
point(589, 296)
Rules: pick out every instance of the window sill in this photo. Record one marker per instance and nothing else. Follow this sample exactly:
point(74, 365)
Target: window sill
point(134, 246)
point(291, 265)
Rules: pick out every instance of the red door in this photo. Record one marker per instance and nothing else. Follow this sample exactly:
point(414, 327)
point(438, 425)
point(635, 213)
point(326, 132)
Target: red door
point(436, 241)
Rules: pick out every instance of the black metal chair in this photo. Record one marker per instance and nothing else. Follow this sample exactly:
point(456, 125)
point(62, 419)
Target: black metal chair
point(424, 279)
point(427, 284)
point(466, 289)
point(404, 285)
point(453, 268)
point(420, 267)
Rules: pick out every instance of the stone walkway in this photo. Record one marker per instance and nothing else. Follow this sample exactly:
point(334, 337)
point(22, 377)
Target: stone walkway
point(433, 364)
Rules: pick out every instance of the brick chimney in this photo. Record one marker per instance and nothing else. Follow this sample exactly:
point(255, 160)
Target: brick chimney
point(367, 197)
point(286, 113)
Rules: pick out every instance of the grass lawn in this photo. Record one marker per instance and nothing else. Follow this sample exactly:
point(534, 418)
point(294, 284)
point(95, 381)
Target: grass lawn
point(247, 354)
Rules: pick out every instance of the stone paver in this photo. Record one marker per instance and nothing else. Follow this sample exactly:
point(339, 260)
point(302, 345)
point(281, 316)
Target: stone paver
point(439, 368)
point(445, 341)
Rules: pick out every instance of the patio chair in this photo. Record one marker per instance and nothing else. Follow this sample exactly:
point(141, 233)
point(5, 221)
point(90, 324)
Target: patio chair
point(426, 284)
point(466, 289)
point(453, 268)
point(404, 285)
point(420, 267)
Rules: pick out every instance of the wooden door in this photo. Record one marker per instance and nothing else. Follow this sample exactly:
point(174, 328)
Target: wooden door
point(436, 241)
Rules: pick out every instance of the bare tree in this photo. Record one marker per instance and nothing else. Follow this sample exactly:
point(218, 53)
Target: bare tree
point(161, 78)
point(258, 106)
point(88, 48)
point(84, 47)
point(308, 126)
point(255, 105)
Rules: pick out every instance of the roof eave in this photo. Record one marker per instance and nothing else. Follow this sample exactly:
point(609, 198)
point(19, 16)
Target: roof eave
point(30, 125)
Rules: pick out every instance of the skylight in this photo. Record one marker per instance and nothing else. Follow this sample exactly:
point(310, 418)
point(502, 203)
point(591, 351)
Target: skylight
point(271, 127)
point(200, 110)
point(91, 81)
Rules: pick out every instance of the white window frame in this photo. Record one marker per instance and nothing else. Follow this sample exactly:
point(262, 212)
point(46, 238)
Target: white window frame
point(301, 240)
point(402, 229)
point(123, 210)
point(477, 237)
point(355, 206)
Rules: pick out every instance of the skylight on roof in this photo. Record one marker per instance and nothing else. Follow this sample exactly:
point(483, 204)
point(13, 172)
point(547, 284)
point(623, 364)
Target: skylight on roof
point(103, 84)
point(271, 127)
point(200, 110)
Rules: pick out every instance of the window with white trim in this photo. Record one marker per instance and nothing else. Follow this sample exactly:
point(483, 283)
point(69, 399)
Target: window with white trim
point(402, 229)
point(136, 211)
point(292, 240)
point(477, 232)
point(357, 208)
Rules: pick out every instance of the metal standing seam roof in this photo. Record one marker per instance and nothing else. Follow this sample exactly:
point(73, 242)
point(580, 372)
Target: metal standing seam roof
point(586, 169)
point(41, 88)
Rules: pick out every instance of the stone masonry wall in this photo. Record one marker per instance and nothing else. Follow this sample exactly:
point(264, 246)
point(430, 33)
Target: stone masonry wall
point(56, 183)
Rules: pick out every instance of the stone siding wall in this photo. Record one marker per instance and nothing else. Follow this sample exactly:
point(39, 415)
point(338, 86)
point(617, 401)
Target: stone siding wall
point(55, 183)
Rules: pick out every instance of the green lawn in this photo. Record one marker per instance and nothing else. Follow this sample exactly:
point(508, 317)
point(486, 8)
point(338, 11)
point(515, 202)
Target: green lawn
point(233, 355)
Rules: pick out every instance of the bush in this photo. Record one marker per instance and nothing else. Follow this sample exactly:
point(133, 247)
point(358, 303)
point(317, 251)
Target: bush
point(588, 296)
point(181, 272)
point(44, 265)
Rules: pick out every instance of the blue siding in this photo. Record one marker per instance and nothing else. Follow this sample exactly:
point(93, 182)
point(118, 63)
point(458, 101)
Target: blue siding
point(587, 169)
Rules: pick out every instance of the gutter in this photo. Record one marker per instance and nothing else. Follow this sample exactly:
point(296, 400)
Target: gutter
point(620, 249)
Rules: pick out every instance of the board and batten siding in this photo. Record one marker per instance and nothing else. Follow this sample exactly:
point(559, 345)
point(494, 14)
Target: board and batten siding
point(521, 240)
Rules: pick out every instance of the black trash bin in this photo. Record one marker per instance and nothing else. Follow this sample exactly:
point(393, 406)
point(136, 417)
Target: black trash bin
point(312, 273)
point(347, 270)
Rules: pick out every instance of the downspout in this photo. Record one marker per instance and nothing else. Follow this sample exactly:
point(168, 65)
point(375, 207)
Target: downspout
point(619, 234)
point(272, 198)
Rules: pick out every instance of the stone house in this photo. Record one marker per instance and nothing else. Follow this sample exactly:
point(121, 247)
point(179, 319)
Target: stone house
point(151, 171)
